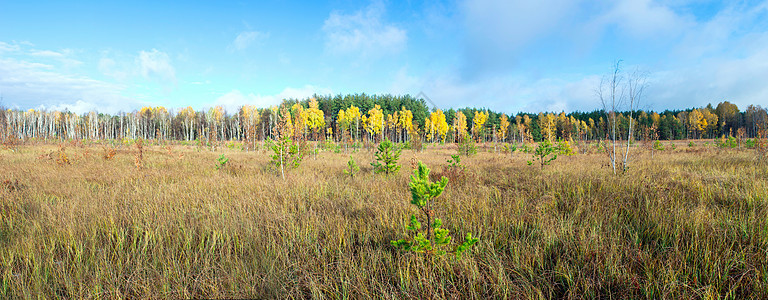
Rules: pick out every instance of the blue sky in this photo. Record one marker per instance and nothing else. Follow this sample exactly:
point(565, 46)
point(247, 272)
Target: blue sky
point(506, 55)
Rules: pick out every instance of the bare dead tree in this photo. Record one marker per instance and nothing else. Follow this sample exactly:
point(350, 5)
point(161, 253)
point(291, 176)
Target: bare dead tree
point(611, 95)
point(636, 84)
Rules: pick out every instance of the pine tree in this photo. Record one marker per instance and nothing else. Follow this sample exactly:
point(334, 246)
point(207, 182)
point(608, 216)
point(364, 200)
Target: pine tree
point(386, 158)
point(423, 194)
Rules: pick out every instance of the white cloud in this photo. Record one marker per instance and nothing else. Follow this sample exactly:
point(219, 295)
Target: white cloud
point(363, 33)
point(108, 66)
point(646, 19)
point(510, 24)
point(34, 85)
point(157, 65)
point(5, 47)
point(509, 94)
point(691, 61)
point(78, 107)
point(234, 99)
point(46, 53)
point(247, 38)
point(738, 80)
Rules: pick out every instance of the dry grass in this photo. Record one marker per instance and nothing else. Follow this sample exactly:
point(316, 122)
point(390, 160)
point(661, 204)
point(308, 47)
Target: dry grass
point(687, 224)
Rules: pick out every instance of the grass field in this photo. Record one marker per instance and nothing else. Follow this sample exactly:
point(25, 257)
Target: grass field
point(688, 223)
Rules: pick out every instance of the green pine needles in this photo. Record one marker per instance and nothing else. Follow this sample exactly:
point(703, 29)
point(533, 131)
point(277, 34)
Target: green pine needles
point(545, 153)
point(221, 162)
point(434, 239)
point(466, 146)
point(352, 167)
point(455, 162)
point(386, 158)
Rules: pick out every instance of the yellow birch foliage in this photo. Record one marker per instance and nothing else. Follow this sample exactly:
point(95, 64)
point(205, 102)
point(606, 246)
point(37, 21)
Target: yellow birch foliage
point(375, 120)
point(547, 125)
point(315, 116)
point(460, 124)
point(696, 121)
point(342, 119)
point(439, 124)
point(406, 119)
point(504, 126)
point(478, 121)
point(284, 123)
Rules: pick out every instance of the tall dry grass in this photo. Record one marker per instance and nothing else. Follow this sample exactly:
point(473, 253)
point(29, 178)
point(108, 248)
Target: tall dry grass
point(685, 224)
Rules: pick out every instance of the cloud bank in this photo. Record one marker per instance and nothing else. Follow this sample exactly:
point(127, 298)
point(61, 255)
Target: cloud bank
point(363, 33)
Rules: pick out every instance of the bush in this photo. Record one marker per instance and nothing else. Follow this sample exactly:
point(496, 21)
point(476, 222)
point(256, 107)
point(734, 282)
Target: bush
point(750, 143)
point(729, 142)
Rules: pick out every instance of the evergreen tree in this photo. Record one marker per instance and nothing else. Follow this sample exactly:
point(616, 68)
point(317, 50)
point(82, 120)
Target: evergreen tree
point(386, 158)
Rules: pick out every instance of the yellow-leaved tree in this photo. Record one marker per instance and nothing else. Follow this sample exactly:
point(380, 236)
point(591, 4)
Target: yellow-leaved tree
point(315, 117)
point(711, 119)
point(477, 124)
point(437, 125)
point(696, 122)
point(405, 122)
point(375, 121)
point(353, 117)
point(459, 125)
point(392, 123)
point(299, 121)
point(503, 127)
point(548, 126)
point(343, 122)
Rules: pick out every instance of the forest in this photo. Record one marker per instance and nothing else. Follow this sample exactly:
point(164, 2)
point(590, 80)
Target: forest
point(376, 117)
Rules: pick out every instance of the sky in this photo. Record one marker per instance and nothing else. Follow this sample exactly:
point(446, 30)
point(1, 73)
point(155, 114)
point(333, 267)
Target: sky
point(505, 55)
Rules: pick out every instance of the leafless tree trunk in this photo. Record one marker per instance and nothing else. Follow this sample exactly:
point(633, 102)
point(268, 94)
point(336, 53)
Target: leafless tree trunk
point(611, 96)
point(636, 84)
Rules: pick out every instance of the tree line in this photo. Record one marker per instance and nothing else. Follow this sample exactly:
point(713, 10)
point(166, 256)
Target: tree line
point(362, 117)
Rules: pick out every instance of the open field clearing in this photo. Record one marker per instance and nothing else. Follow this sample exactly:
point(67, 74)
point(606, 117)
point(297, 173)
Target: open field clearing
point(689, 223)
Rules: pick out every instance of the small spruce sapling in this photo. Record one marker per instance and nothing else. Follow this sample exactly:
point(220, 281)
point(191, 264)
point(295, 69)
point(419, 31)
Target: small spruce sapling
point(386, 158)
point(352, 167)
point(545, 153)
point(434, 239)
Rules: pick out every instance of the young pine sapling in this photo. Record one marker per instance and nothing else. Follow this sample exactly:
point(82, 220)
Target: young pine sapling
point(352, 167)
point(386, 158)
point(455, 162)
point(466, 146)
point(434, 239)
point(545, 153)
point(221, 162)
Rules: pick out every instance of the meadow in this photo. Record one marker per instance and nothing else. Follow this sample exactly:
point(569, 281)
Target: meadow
point(688, 223)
